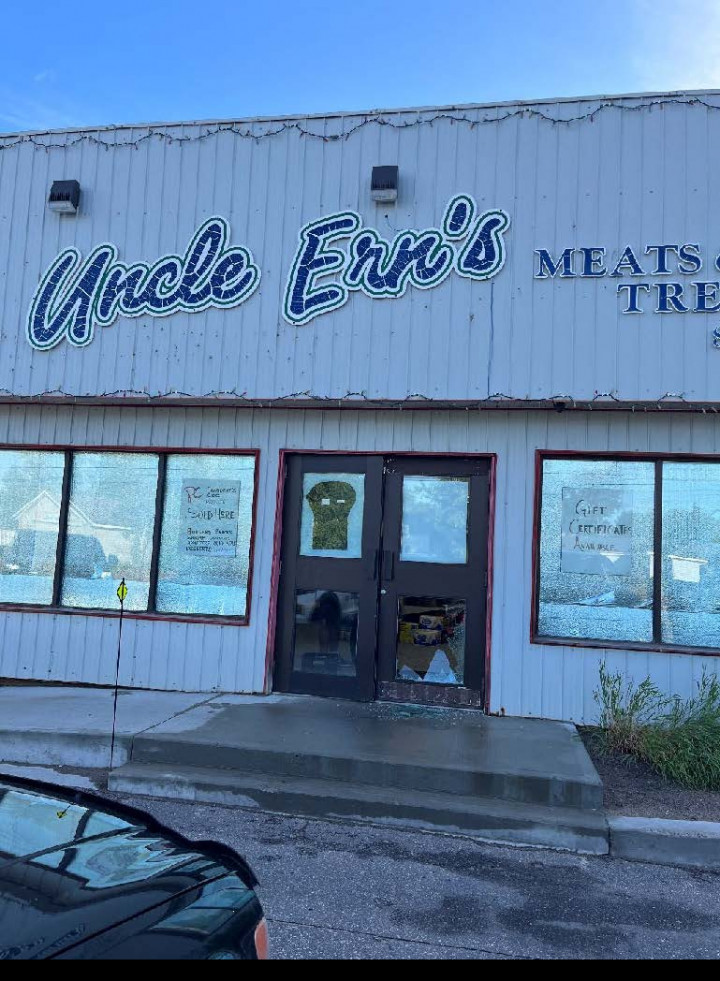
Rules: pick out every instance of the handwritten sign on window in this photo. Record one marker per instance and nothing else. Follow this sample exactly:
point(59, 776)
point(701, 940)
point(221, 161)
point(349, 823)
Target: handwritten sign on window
point(210, 517)
point(597, 531)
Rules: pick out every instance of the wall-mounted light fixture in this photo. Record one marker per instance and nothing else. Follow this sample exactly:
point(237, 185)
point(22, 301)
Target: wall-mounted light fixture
point(64, 197)
point(384, 184)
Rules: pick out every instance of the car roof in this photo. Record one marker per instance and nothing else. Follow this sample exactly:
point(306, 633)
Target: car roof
point(74, 864)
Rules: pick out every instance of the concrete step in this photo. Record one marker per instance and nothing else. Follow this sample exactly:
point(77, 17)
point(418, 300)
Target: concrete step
point(475, 772)
point(88, 749)
point(498, 821)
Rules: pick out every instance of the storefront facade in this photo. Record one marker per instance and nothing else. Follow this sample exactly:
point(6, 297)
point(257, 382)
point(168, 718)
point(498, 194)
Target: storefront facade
point(451, 439)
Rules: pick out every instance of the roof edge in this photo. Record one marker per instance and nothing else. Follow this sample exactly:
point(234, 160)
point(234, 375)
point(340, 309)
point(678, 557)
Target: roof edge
point(688, 94)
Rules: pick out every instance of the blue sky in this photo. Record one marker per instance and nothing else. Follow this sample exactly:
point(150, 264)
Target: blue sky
point(81, 62)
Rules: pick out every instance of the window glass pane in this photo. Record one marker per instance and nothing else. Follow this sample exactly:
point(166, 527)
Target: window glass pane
point(206, 531)
point(326, 625)
point(431, 640)
point(434, 519)
point(596, 550)
point(332, 515)
point(110, 529)
point(30, 493)
point(691, 554)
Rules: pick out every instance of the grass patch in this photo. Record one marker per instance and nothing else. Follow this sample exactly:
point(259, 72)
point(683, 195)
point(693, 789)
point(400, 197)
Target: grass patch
point(679, 739)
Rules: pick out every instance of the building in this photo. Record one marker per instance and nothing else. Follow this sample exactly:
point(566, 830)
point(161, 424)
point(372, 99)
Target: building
point(415, 405)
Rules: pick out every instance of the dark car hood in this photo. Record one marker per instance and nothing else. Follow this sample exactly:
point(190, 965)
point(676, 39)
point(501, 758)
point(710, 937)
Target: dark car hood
point(73, 866)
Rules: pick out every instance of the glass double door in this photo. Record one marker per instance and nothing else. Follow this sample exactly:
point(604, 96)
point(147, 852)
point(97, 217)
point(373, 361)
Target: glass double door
point(383, 578)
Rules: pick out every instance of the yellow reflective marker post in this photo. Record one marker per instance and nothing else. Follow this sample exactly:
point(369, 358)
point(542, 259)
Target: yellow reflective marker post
point(122, 592)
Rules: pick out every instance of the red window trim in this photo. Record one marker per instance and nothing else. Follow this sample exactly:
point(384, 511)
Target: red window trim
point(210, 619)
point(542, 640)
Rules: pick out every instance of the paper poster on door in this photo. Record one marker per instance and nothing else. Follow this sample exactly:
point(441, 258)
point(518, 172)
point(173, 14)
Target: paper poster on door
point(597, 531)
point(210, 517)
point(332, 515)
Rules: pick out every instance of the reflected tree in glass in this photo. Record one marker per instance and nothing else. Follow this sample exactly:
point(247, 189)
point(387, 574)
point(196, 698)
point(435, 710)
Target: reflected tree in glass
point(597, 605)
point(111, 516)
point(691, 554)
point(30, 494)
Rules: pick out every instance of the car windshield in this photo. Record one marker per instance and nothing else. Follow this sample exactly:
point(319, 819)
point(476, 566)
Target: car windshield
point(31, 822)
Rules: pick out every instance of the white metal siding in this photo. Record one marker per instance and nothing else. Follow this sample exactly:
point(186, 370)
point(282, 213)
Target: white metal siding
point(611, 173)
point(527, 679)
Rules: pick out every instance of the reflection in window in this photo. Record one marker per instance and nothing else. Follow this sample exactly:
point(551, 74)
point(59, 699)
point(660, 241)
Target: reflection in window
point(122, 858)
point(326, 625)
point(596, 550)
point(332, 515)
point(30, 495)
point(691, 554)
point(206, 532)
point(435, 519)
point(110, 529)
point(431, 640)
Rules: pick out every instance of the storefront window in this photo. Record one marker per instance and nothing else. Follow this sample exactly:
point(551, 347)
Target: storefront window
point(601, 548)
point(110, 524)
point(596, 550)
point(206, 531)
point(177, 528)
point(691, 554)
point(30, 496)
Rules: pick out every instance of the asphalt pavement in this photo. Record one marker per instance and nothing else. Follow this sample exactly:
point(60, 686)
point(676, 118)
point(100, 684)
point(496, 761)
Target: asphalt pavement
point(344, 890)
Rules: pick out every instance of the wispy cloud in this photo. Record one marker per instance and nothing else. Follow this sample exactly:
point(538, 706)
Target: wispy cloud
point(46, 75)
point(677, 44)
point(21, 112)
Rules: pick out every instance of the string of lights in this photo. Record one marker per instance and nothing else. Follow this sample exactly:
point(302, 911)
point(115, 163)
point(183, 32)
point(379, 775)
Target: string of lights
point(307, 399)
point(253, 131)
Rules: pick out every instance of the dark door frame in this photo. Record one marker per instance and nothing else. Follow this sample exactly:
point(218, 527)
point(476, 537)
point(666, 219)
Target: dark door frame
point(277, 544)
point(424, 579)
point(358, 576)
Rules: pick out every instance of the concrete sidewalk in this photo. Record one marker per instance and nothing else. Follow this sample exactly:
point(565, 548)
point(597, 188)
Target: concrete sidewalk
point(66, 726)
point(506, 781)
point(516, 781)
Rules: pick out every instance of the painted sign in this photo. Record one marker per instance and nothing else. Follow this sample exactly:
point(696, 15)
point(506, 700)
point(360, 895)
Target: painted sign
point(689, 294)
point(597, 531)
point(209, 517)
point(77, 296)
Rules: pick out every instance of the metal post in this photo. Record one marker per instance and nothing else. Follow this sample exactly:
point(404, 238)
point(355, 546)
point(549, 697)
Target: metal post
point(121, 594)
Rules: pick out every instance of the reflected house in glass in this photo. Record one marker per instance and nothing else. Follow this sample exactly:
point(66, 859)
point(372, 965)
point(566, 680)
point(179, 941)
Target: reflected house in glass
point(36, 530)
point(457, 449)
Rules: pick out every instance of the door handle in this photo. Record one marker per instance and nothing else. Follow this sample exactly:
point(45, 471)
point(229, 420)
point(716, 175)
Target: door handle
point(388, 566)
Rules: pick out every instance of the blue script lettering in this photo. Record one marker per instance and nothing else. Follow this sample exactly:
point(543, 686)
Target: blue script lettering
point(484, 255)
point(302, 301)
point(380, 269)
point(383, 269)
point(75, 297)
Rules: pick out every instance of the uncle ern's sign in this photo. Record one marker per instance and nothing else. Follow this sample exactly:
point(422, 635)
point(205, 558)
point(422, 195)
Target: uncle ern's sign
point(336, 256)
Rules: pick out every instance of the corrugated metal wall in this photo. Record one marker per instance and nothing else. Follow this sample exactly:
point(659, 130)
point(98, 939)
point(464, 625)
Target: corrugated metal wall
point(527, 679)
point(613, 173)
